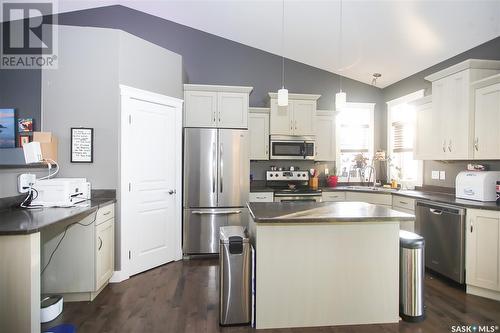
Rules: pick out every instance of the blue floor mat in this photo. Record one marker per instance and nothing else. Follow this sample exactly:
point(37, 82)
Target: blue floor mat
point(63, 328)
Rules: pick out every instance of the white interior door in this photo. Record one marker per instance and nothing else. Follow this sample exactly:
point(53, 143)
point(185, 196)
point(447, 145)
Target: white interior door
point(151, 172)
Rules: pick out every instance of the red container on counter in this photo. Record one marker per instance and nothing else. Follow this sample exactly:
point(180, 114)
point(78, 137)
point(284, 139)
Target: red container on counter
point(332, 181)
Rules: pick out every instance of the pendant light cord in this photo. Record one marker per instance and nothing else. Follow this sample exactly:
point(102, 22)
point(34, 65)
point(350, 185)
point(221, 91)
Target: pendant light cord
point(340, 45)
point(283, 45)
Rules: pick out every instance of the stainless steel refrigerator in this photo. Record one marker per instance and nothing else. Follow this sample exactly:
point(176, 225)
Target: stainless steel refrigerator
point(216, 185)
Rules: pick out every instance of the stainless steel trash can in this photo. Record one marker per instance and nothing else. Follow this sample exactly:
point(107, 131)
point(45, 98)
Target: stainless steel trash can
point(235, 276)
point(411, 276)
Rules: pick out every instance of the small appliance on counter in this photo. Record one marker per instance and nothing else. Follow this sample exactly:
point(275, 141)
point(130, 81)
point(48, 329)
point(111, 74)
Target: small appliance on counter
point(477, 185)
point(61, 192)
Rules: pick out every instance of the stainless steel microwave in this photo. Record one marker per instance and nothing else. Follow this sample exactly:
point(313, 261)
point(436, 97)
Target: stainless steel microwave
point(284, 147)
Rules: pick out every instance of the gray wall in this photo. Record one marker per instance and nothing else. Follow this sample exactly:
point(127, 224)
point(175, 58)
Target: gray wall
point(489, 50)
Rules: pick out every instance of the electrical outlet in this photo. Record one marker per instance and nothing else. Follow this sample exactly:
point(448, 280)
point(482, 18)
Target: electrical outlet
point(435, 174)
point(25, 181)
point(442, 175)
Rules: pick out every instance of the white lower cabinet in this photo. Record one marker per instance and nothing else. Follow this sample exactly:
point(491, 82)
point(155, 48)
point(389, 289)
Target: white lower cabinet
point(261, 197)
point(333, 196)
point(482, 247)
point(84, 260)
point(373, 198)
point(405, 205)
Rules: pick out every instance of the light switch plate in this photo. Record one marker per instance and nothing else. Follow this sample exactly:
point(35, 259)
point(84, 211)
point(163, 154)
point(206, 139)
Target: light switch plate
point(435, 174)
point(442, 175)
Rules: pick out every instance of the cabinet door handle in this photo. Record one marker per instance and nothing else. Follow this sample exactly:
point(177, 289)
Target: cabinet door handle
point(291, 124)
point(444, 146)
point(471, 227)
point(449, 146)
point(476, 144)
point(267, 149)
point(295, 124)
point(107, 213)
point(100, 244)
point(403, 202)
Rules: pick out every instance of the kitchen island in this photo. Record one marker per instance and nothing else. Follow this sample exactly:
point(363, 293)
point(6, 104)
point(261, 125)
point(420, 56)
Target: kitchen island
point(324, 264)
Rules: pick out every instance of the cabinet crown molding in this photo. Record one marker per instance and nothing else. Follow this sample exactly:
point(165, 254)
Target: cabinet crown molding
point(467, 64)
point(217, 88)
point(494, 79)
point(297, 96)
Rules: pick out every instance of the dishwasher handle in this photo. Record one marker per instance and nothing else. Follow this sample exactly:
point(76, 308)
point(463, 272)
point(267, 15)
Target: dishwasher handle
point(441, 209)
point(436, 211)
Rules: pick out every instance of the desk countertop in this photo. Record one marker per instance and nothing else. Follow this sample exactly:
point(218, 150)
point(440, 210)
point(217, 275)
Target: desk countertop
point(18, 221)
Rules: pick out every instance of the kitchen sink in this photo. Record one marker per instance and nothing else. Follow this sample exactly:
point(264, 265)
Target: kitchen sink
point(371, 188)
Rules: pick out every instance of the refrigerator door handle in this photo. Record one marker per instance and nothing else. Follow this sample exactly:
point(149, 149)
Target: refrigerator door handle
point(214, 166)
point(221, 167)
point(227, 212)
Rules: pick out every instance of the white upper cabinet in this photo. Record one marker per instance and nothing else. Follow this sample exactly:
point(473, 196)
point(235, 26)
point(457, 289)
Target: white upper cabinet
point(216, 106)
point(281, 119)
point(426, 145)
point(200, 109)
point(486, 143)
point(453, 108)
point(258, 129)
point(298, 118)
point(304, 116)
point(325, 136)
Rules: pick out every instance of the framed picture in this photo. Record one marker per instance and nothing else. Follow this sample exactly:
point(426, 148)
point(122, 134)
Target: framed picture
point(25, 125)
point(23, 139)
point(82, 145)
point(7, 128)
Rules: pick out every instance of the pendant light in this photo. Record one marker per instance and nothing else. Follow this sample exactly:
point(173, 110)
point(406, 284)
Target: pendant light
point(283, 93)
point(341, 96)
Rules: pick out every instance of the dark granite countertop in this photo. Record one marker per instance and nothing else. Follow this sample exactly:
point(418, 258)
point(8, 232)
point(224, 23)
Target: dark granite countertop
point(447, 199)
point(300, 212)
point(18, 221)
point(438, 197)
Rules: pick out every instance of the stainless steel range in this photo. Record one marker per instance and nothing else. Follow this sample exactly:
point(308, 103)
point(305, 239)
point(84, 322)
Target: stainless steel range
point(291, 186)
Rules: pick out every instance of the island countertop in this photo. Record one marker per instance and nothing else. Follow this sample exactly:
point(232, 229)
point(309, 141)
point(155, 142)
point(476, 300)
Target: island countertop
point(286, 212)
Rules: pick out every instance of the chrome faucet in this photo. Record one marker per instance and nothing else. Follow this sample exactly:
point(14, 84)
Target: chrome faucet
point(374, 174)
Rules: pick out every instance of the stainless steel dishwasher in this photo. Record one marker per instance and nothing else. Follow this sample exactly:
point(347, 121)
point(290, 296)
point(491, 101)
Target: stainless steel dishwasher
point(443, 228)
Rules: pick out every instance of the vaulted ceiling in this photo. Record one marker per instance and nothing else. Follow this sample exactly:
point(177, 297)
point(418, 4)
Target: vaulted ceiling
point(394, 38)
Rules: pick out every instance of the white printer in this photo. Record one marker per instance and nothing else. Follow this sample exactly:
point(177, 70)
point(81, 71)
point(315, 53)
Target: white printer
point(61, 192)
point(477, 185)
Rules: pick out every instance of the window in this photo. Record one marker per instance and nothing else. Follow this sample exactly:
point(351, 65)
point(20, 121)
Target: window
point(355, 135)
point(401, 130)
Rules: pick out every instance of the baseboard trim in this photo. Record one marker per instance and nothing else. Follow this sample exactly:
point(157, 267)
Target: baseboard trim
point(487, 293)
point(119, 276)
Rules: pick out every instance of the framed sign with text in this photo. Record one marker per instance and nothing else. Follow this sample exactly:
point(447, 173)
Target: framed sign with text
point(82, 145)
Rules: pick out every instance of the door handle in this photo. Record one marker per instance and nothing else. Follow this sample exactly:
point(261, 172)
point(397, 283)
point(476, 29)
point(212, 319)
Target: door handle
point(214, 167)
point(436, 211)
point(227, 212)
point(172, 192)
point(100, 244)
point(221, 153)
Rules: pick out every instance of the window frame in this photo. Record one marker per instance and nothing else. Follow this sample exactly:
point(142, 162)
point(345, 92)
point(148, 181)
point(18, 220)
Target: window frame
point(406, 99)
point(371, 149)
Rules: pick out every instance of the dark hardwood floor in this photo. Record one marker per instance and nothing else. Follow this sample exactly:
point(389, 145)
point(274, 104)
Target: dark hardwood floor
point(183, 297)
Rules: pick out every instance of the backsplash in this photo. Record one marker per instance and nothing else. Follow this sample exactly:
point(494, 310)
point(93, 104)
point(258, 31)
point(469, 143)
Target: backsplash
point(258, 168)
point(451, 169)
